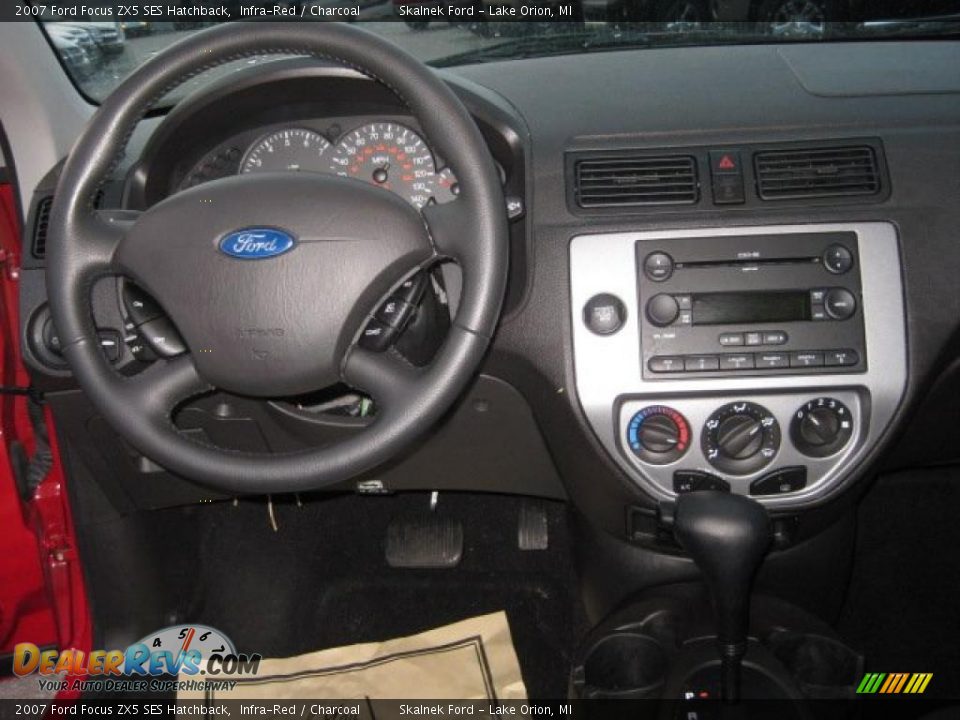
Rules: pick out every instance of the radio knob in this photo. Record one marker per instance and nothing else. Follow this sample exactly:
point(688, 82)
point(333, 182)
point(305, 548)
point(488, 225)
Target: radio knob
point(839, 303)
point(662, 310)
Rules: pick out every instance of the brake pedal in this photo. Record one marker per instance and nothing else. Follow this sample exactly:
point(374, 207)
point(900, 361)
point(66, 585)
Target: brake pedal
point(429, 542)
point(533, 532)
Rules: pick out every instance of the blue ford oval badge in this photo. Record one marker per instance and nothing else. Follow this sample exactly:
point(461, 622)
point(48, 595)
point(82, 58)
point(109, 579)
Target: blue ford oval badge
point(256, 243)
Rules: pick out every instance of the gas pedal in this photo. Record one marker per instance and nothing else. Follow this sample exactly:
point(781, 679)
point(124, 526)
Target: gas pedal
point(429, 542)
point(533, 532)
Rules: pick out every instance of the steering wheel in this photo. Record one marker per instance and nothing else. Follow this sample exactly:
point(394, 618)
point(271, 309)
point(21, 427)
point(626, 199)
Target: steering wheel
point(271, 324)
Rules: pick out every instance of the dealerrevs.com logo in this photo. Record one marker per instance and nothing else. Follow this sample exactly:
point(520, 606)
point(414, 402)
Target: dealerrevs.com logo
point(186, 650)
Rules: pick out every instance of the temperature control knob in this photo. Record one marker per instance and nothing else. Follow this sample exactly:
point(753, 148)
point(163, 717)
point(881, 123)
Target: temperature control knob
point(821, 427)
point(740, 438)
point(658, 435)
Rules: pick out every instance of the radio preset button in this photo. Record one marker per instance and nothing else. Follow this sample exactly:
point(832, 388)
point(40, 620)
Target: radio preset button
point(662, 310)
point(840, 357)
point(665, 364)
point(658, 266)
point(769, 361)
point(701, 363)
point(744, 361)
point(806, 358)
point(839, 303)
point(731, 339)
point(837, 259)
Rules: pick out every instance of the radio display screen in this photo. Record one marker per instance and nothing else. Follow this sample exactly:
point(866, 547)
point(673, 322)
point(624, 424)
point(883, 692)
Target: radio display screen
point(755, 307)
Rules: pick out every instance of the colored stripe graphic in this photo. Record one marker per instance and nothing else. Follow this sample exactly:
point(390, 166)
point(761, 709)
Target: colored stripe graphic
point(894, 683)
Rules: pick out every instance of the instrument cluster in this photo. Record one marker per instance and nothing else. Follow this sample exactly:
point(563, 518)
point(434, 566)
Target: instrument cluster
point(388, 154)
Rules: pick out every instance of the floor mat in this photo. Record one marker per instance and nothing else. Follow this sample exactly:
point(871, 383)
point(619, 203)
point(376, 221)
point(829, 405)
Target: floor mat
point(902, 607)
point(470, 660)
point(322, 580)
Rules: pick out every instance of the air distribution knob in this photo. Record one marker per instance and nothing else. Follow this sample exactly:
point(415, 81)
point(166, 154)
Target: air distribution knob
point(740, 437)
point(658, 434)
point(821, 427)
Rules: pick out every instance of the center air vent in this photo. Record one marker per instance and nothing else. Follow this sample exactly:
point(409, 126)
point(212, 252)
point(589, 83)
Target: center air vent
point(636, 180)
point(817, 173)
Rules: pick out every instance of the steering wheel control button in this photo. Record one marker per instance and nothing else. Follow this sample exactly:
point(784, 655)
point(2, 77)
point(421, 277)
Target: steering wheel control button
point(604, 314)
point(411, 289)
point(821, 427)
point(662, 310)
point(665, 364)
point(376, 336)
point(740, 438)
point(780, 482)
point(140, 307)
point(163, 338)
point(686, 481)
point(110, 344)
point(394, 312)
point(658, 266)
point(837, 259)
point(842, 358)
point(839, 303)
point(658, 435)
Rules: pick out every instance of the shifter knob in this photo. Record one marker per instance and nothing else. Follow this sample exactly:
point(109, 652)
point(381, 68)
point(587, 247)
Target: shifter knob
point(727, 535)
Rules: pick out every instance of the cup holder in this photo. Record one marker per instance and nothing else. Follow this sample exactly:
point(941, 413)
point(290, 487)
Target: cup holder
point(823, 667)
point(621, 665)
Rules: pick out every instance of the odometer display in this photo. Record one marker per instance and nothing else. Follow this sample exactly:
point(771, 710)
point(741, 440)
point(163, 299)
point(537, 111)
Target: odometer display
point(288, 150)
point(389, 155)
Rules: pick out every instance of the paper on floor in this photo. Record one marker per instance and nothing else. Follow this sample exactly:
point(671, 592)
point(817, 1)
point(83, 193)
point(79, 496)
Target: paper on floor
point(469, 660)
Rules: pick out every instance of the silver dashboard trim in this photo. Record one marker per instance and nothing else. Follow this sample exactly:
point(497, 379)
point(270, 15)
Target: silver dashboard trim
point(607, 369)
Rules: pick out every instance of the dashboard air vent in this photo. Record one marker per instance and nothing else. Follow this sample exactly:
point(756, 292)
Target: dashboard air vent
point(817, 172)
point(636, 180)
point(39, 246)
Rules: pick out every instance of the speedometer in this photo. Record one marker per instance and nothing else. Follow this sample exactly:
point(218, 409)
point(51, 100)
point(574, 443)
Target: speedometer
point(389, 155)
point(290, 149)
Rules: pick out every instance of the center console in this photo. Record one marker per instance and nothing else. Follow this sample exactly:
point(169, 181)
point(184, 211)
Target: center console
point(764, 361)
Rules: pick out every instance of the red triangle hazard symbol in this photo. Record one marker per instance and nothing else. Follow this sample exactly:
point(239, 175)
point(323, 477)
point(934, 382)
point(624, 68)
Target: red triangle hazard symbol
point(726, 163)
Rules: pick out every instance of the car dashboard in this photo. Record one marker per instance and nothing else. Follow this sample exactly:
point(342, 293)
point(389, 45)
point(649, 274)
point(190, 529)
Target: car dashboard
point(674, 318)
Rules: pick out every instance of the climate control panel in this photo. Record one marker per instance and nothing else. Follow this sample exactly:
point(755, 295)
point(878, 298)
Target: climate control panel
point(741, 446)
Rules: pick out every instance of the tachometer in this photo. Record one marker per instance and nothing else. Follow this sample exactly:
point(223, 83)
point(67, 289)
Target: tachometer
point(290, 149)
point(389, 155)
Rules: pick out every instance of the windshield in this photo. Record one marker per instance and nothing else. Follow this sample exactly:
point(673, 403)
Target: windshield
point(100, 44)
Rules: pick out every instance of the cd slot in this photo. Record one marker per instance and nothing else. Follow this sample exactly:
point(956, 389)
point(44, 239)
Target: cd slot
point(745, 262)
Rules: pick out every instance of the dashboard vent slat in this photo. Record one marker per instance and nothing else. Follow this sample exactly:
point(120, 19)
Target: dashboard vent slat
point(817, 173)
point(636, 180)
point(38, 246)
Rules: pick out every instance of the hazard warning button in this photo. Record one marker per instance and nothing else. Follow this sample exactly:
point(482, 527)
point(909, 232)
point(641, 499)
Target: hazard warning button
point(725, 163)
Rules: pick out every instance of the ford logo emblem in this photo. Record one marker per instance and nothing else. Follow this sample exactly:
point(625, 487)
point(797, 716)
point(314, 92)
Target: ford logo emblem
point(256, 243)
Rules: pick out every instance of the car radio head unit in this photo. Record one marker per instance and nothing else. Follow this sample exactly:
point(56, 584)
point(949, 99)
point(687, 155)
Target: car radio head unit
point(750, 304)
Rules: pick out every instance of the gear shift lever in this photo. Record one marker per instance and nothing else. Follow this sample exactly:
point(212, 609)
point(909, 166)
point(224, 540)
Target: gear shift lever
point(727, 535)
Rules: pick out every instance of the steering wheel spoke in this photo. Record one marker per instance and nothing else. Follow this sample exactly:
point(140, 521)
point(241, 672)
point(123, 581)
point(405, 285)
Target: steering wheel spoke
point(98, 237)
point(385, 376)
point(159, 389)
point(450, 228)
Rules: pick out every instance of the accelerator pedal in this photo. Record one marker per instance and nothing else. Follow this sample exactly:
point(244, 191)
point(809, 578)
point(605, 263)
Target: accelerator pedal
point(428, 542)
point(533, 532)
